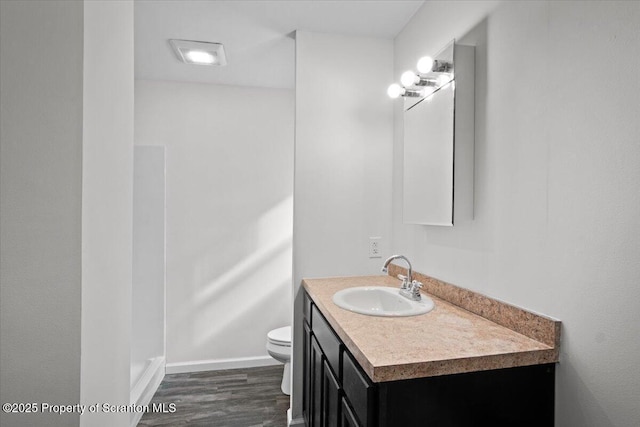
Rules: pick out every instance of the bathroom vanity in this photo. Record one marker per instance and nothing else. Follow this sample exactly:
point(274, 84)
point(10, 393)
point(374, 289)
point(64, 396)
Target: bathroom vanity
point(472, 361)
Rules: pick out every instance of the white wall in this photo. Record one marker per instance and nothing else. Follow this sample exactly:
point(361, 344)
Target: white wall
point(40, 201)
point(147, 301)
point(229, 165)
point(67, 141)
point(344, 130)
point(107, 205)
point(557, 194)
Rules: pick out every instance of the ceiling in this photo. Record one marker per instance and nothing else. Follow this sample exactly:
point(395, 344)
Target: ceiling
point(257, 35)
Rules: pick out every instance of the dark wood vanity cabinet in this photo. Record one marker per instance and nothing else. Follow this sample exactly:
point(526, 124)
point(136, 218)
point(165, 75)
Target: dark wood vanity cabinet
point(337, 393)
point(347, 418)
point(325, 402)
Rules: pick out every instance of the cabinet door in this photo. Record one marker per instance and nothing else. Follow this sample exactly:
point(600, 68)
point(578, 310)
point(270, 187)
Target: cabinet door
point(315, 402)
point(306, 378)
point(359, 391)
point(330, 398)
point(347, 418)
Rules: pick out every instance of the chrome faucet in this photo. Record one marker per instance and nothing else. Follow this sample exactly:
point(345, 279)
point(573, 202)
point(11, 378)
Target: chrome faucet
point(410, 288)
point(405, 280)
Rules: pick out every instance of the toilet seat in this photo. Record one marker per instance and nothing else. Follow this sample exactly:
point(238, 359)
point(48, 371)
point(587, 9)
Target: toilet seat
point(280, 336)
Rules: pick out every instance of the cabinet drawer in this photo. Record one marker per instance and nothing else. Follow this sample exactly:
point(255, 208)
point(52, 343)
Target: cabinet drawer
point(327, 339)
point(358, 390)
point(306, 308)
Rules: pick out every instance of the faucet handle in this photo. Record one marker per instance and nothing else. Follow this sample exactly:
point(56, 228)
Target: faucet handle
point(415, 288)
point(405, 281)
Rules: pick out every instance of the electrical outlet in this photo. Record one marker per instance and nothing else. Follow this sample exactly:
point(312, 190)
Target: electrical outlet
point(374, 247)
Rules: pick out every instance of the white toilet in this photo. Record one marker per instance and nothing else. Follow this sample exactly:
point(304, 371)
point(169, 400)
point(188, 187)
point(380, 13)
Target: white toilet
point(279, 347)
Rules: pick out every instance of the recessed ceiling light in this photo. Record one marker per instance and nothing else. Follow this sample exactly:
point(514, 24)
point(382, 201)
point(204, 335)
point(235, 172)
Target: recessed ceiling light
point(200, 57)
point(199, 53)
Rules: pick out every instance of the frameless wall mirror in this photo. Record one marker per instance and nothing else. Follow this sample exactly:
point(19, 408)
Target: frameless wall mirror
point(438, 137)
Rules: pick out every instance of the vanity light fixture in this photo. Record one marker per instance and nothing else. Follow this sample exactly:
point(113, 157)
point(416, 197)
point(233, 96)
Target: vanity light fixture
point(418, 85)
point(395, 90)
point(427, 64)
point(431, 76)
point(199, 53)
point(409, 78)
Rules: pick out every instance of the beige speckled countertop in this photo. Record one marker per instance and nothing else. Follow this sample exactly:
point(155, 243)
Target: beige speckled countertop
point(448, 340)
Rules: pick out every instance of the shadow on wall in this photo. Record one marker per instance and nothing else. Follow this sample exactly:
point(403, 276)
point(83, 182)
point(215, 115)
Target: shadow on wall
point(241, 289)
point(571, 389)
point(242, 321)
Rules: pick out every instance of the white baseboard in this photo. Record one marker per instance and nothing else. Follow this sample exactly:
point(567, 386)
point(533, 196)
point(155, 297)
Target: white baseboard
point(220, 364)
point(144, 389)
point(294, 423)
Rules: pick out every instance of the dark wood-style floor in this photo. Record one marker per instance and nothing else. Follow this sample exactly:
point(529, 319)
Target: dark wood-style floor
point(232, 398)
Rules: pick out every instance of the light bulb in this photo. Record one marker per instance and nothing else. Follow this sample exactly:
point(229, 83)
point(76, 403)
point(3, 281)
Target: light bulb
point(200, 57)
point(408, 78)
point(395, 90)
point(425, 64)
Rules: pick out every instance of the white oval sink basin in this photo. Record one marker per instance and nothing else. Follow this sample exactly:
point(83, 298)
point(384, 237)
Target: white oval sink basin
point(380, 301)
